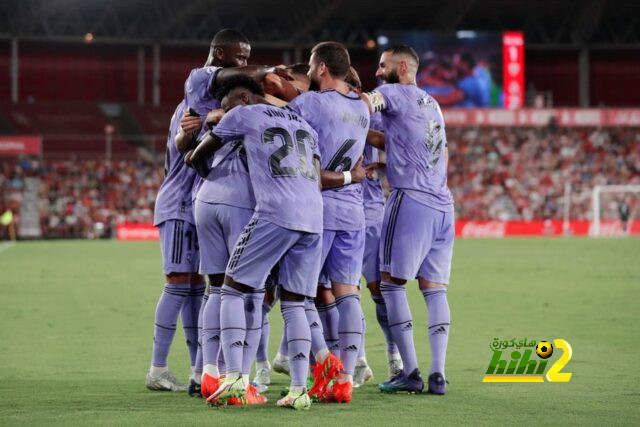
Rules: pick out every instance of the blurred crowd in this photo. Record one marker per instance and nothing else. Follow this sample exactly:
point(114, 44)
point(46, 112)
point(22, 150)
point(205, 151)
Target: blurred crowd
point(521, 173)
point(83, 198)
point(497, 173)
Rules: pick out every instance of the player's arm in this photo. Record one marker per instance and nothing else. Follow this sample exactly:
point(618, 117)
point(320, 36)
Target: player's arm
point(331, 179)
point(316, 164)
point(275, 101)
point(256, 72)
point(189, 125)
point(376, 138)
point(279, 87)
point(206, 147)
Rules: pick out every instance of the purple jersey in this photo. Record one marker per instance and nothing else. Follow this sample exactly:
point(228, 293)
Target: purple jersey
point(342, 123)
point(228, 181)
point(415, 143)
point(199, 90)
point(174, 196)
point(199, 94)
point(280, 149)
point(228, 184)
point(375, 122)
point(372, 194)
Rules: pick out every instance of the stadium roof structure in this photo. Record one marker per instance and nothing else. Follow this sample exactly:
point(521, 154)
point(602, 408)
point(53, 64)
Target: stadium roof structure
point(562, 24)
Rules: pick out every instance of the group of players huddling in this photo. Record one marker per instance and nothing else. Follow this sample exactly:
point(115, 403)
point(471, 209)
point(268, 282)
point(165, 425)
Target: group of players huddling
point(272, 190)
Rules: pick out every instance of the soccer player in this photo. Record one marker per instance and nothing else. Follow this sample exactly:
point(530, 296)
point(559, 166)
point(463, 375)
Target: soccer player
point(280, 363)
point(223, 201)
point(282, 155)
point(183, 285)
point(341, 119)
point(418, 228)
point(229, 48)
point(174, 215)
point(363, 372)
point(373, 197)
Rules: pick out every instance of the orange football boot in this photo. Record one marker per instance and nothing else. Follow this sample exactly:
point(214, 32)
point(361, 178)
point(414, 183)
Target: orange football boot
point(208, 385)
point(338, 392)
point(253, 397)
point(323, 373)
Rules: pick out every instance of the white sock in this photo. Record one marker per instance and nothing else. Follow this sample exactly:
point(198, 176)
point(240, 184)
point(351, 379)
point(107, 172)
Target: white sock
point(362, 361)
point(321, 355)
point(245, 379)
point(343, 378)
point(280, 356)
point(156, 371)
point(231, 377)
point(263, 365)
point(393, 356)
point(212, 370)
point(296, 389)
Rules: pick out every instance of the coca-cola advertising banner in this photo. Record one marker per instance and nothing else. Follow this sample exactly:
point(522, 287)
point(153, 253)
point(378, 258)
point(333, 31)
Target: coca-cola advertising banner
point(543, 228)
point(617, 117)
point(15, 145)
point(131, 231)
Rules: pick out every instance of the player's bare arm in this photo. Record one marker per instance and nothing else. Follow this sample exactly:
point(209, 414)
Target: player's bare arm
point(279, 87)
point(316, 164)
point(376, 138)
point(331, 179)
point(213, 117)
point(189, 125)
point(198, 157)
point(256, 72)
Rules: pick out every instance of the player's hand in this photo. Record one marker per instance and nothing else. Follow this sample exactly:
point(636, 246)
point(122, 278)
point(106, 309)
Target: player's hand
point(214, 117)
point(283, 72)
point(358, 172)
point(371, 171)
point(189, 123)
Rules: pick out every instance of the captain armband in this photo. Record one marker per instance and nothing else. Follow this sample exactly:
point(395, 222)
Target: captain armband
point(377, 101)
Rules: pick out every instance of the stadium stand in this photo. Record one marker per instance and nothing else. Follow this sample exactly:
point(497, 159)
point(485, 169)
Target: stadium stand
point(494, 173)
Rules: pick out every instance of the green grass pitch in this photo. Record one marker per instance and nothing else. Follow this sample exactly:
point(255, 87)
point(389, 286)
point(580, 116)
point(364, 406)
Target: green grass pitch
point(76, 330)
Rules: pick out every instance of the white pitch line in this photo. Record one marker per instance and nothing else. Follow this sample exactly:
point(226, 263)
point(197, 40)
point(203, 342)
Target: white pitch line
point(6, 245)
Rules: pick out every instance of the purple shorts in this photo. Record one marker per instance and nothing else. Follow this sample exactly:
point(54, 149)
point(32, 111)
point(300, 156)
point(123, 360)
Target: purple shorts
point(342, 253)
point(416, 240)
point(219, 227)
point(263, 244)
point(371, 259)
point(179, 246)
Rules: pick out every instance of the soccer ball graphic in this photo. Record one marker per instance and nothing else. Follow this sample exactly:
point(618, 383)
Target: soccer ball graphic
point(544, 349)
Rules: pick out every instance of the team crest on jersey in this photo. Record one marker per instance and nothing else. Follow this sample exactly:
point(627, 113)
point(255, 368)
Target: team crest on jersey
point(428, 102)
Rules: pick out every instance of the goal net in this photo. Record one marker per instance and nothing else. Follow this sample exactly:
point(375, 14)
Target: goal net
point(614, 207)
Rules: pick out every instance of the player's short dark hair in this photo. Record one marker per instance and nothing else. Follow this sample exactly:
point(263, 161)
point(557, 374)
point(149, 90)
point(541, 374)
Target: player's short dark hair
point(335, 56)
point(353, 79)
point(228, 36)
point(299, 68)
point(236, 81)
point(403, 49)
point(468, 58)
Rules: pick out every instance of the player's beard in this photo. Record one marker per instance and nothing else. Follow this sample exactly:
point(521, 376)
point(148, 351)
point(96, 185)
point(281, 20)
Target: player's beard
point(392, 77)
point(314, 85)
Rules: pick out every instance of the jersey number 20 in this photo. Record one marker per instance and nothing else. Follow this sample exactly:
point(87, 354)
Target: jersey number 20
point(275, 160)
